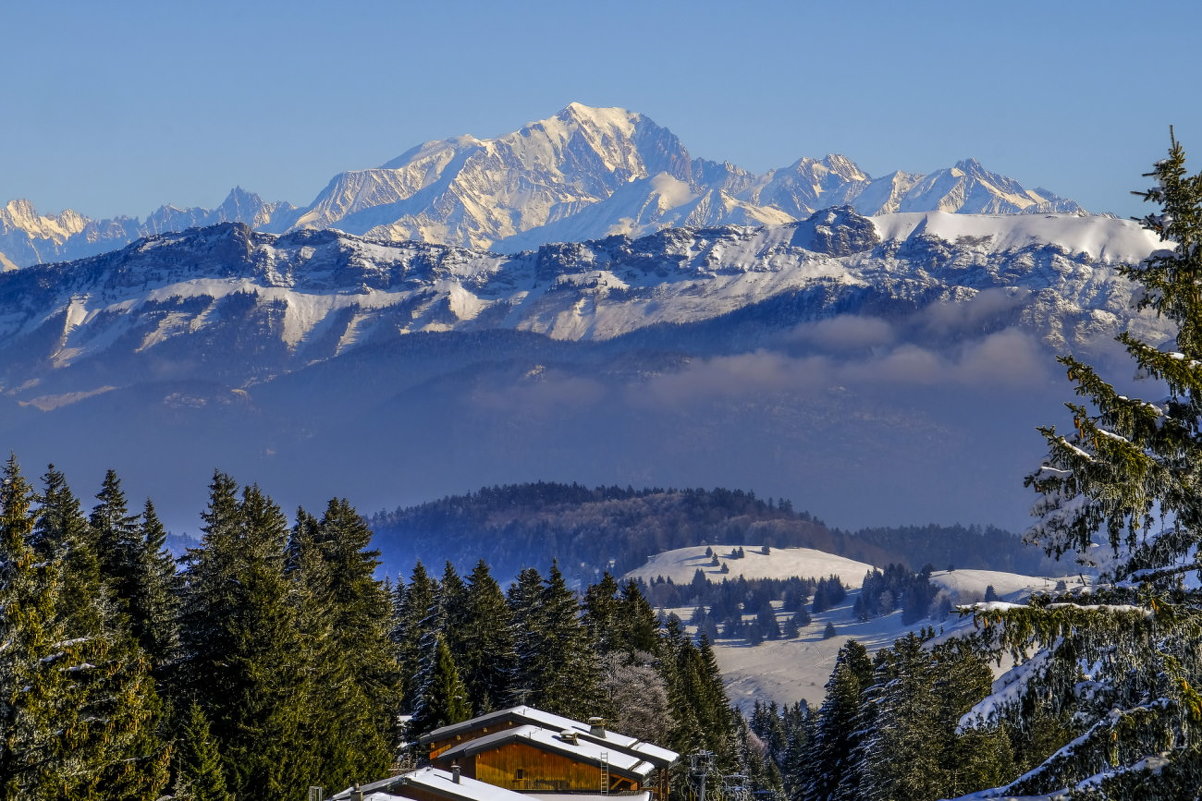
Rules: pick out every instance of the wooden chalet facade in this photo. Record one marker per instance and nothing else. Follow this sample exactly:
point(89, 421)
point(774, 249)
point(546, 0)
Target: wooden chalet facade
point(526, 750)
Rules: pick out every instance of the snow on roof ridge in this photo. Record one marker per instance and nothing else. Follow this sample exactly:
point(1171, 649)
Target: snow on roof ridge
point(436, 780)
point(555, 723)
point(583, 747)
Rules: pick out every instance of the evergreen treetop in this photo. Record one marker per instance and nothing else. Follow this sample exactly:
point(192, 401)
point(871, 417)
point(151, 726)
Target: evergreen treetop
point(1129, 475)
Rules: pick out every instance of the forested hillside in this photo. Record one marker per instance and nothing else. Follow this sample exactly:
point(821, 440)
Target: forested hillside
point(272, 659)
point(590, 530)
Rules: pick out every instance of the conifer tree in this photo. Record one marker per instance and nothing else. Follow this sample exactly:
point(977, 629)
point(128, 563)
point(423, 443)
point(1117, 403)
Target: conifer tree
point(1127, 475)
point(442, 697)
point(243, 659)
point(35, 695)
point(899, 756)
point(337, 631)
point(835, 735)
point(79, 712)
point(412, 606)
point(638, 624)
point(601, 614)
point(62, 533)
point(449, 614)
point(524, 598)
point(118, 538)
point(199, 775)
point(697, 699)
point(115, 750)
point(799, 723)
point(154, 595)
point(677, 663)
point(557, 657)
point(487, 656)
point(360, 617)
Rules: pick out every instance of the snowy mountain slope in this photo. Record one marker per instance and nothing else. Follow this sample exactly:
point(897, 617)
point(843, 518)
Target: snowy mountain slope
point(582, 174)
point(645, 206)
point(681, 564)
point(969, 586)
point(317, 294)
point(790, 670)
point(969, 188)
point(474, 192)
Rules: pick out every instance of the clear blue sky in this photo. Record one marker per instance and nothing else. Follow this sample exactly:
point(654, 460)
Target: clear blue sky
point(116, 108)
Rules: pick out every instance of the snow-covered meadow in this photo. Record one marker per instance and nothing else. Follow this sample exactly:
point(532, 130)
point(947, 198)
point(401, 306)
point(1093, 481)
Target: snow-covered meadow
point(788, 670)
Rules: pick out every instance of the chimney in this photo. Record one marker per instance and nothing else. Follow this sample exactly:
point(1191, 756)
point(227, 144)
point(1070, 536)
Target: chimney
point(568, 736)
point(356, 793)
point(596, 727)
point(455, 773)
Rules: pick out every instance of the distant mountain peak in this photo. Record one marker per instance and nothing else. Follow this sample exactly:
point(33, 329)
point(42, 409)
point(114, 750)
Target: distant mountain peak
point(611, 116)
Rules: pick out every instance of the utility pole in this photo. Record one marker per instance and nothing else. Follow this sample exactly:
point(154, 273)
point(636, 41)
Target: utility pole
point(699, 768)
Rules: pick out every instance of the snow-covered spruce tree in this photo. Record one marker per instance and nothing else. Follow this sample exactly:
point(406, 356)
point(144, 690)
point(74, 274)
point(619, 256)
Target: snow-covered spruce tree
point(1117, 670)
point(442, 697)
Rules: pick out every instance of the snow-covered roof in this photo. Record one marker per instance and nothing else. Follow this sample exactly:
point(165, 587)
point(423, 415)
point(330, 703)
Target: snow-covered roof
point(584, 750)
point(657, 755)
point(433, 780)
point(642, 795)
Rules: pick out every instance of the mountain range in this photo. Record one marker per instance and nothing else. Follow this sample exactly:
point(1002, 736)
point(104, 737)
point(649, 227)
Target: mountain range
point(875, 369)
point(584, 173)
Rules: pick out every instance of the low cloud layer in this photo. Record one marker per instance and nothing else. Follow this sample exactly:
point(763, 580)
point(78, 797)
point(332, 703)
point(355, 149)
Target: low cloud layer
point(1009, 359)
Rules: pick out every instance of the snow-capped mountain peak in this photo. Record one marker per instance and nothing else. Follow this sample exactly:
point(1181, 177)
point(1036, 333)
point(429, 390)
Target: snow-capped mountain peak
point(582, 173)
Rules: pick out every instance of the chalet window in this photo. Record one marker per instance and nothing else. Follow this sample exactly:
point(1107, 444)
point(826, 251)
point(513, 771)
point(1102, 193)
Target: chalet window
point(519, 774)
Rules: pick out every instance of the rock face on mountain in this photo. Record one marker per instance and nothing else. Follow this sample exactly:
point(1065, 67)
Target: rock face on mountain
point(584, 173)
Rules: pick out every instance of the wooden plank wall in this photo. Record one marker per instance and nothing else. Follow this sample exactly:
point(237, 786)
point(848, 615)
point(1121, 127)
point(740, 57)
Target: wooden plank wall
point(541, 770)
point(437, 748)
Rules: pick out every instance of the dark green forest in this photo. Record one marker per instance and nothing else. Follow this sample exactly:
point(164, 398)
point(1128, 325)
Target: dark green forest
point(615, 529)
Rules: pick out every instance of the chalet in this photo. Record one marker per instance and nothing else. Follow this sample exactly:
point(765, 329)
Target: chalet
point(428, 784)
point(539, 753)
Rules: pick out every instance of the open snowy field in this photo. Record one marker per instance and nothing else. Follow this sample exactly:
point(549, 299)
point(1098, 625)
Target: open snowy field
point(788, 670)
point(681, 564)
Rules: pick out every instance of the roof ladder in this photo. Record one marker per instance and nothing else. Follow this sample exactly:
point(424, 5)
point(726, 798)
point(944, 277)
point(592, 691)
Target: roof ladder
point(604, 773)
